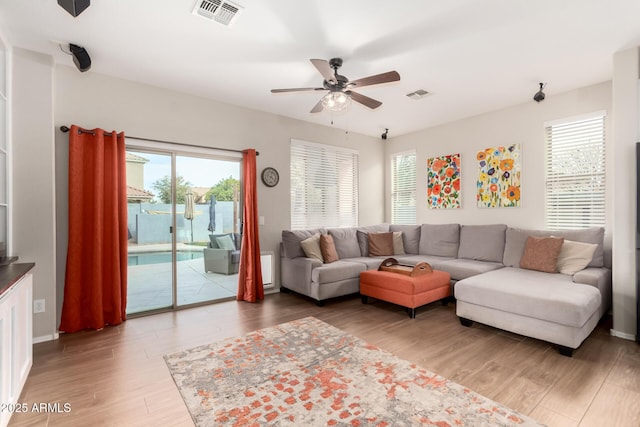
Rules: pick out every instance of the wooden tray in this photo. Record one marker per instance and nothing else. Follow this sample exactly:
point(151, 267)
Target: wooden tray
point(393, 266)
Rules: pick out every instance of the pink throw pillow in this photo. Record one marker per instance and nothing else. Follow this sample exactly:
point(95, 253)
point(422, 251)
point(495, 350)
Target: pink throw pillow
point(541, 254)
point(328, 249)
point(380, 244)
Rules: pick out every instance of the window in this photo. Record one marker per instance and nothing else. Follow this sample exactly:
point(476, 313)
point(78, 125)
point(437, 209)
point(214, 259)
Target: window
point(324, 186)
point(403, 188)
point(575, 172)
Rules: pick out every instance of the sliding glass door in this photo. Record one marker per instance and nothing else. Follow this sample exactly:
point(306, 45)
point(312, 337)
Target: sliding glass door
point(150, 218)
point(208, 194)
point(184, 228)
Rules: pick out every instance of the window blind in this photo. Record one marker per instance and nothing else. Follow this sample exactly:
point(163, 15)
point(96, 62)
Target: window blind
point(575, 173)
point(403, 188)
point(324, 186)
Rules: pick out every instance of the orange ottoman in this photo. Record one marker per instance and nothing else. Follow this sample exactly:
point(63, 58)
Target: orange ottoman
point(406, 291)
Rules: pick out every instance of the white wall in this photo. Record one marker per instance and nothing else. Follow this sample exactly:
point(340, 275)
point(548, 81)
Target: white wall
point(91, 100)
point(522, 124)
point(33, 203)
point(624, 136)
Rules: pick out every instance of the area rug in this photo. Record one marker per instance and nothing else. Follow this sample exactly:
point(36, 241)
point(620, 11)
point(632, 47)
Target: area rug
point(309, 373)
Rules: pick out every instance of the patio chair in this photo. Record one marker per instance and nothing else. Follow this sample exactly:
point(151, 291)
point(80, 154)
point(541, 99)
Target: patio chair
point(223, 254)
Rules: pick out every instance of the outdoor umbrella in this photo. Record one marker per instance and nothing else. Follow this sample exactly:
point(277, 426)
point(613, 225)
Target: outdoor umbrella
point(188, 209)
point(212, 214)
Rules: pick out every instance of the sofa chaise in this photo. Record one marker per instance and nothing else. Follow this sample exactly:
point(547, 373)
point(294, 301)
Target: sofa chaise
point(489, 285)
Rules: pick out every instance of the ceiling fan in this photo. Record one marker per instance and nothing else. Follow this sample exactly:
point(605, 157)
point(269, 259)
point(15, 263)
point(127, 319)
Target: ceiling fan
point(340, 88)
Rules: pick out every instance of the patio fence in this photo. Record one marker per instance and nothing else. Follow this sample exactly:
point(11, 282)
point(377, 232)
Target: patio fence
point(149, 222)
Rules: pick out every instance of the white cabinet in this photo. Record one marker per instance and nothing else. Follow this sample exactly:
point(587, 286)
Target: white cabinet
point(16, 337)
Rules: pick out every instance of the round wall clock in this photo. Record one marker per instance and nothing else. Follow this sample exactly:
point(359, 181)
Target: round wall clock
point(270, 177)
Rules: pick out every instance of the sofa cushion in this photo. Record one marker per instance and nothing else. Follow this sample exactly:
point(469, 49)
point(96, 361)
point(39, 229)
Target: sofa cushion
point(516, 238)
point(346, 242)
point(410, 237)
point(371, 263)
point(439, 240)
point(435, 262)
point(363, 239)
point(598, 277)
point(398, 244)
point(311, 247)
point(545, 296)
point(482, 242)
point(337, 271)
point(328, 249)
point(575, 256)
point(462, 268)
point(541, 254)
point(380, 244)
point(291, 241)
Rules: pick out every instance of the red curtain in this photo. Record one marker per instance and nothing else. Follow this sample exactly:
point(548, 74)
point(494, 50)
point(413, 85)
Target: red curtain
point(95, 290)
point(250, 286)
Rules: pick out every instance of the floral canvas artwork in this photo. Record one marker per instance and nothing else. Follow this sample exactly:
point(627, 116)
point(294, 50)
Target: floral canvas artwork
point(499, 177)
point(443, 182)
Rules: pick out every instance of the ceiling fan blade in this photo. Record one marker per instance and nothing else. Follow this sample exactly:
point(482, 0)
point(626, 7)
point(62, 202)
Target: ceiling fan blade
point(325, 69)
point(318, 107)
point(391, 76)
point(297, 89)
point(364, 100)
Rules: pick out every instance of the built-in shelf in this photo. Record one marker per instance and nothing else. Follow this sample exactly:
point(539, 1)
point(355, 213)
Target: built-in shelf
point(5, 105)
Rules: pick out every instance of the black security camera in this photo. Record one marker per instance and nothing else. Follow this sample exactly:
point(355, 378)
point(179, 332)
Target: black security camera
point(539, 96)
point(385, 134)
point(80, 57)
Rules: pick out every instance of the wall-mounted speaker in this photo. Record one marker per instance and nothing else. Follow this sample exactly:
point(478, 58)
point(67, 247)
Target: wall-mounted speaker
point(80, 57)
point(74, 7)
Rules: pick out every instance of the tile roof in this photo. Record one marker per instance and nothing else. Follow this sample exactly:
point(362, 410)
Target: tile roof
point(138, 193)
point(134, 158)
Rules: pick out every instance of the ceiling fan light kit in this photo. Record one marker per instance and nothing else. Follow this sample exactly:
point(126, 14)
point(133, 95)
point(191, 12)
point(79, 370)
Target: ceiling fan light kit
point(341, 88)
point(336, 101)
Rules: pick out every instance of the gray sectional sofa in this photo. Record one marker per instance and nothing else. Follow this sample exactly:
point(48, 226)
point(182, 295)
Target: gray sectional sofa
point(484, 264)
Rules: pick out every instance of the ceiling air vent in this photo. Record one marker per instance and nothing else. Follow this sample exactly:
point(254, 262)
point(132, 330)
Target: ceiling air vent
point(420, 93)
point(220, 11)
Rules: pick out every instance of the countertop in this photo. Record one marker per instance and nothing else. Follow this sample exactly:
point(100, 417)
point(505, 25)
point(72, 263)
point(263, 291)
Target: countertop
point(10, 274)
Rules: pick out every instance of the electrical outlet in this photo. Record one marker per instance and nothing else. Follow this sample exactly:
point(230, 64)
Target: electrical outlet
point(38, 306)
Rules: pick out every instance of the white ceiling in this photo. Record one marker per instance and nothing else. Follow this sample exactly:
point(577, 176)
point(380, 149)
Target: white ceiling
point(473, 56)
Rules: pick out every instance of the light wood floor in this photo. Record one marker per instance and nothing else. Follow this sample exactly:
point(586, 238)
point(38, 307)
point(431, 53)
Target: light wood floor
point(117, 376)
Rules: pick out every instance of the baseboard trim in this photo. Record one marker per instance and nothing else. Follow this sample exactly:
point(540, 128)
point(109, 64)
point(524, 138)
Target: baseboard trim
point(45, 338)
point(622, 335)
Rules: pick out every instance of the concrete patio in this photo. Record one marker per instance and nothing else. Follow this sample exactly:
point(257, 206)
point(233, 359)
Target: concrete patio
point(149, 285)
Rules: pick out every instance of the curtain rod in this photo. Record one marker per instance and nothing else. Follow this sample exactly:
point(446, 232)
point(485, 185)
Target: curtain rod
point(66, 129)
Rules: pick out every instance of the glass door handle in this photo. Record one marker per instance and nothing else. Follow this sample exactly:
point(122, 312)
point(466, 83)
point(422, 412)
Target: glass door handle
point(171, 229)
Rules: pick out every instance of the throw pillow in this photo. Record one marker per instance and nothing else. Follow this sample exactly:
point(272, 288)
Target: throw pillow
point(225, 242)
point(363, 242)
point(380, 244)
point(311, 247)
point(575, 256)
point(541, 254)
point(328, 249)
point(398, 245)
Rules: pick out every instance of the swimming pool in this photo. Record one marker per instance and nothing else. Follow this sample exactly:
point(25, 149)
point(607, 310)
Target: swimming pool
point(145, 258)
